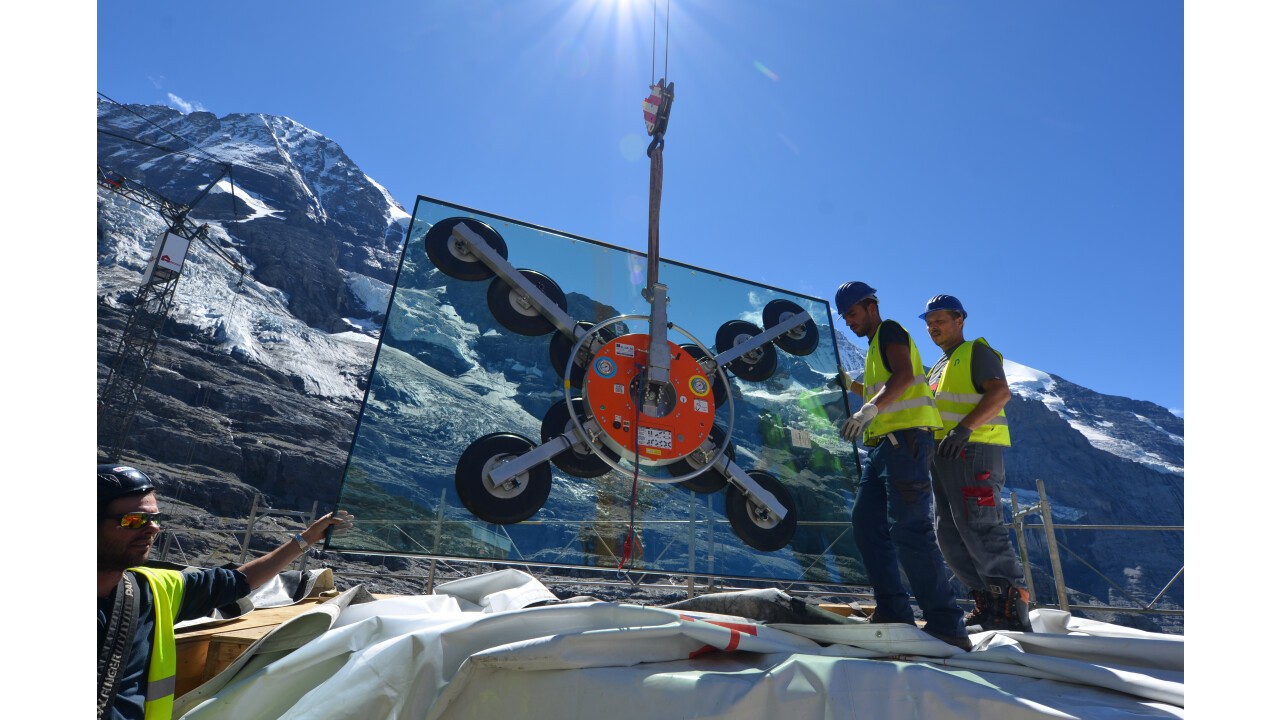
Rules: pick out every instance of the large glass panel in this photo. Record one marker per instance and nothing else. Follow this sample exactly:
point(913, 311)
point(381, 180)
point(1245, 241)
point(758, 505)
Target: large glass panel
point(448, 373)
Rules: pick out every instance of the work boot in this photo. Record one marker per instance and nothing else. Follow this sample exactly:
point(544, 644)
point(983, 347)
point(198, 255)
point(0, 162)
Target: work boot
point(878, 618)
point(961, 641)
point(983, 606)
point(1011, 611)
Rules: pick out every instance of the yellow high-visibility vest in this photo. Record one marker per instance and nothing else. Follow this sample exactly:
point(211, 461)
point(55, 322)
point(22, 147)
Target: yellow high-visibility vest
point(162, 675)
point(913, 409)
point(957, 397)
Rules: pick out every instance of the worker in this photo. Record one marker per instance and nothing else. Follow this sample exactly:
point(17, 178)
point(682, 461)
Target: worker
point(138, 606)
point(968, 470)
point(893, 523)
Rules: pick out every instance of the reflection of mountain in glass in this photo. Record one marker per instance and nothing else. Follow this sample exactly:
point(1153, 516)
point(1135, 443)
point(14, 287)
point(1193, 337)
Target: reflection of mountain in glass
point(448, 373)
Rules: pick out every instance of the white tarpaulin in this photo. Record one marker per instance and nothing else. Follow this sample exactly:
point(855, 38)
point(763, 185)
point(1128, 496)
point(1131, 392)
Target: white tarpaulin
point(497, 646)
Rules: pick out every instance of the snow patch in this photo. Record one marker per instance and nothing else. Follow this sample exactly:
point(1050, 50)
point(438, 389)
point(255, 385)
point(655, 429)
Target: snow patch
point(1028, 382)
point(1123, 448)
point(1152, 424)
point(257, 207)
point(372, 293)
point(1036, 385)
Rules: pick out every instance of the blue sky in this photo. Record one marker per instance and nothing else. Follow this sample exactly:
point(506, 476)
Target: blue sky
point(1026, 157)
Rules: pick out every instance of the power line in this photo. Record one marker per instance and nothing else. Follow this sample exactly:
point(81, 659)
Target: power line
point(159, 127)
point(151, 145)
point(226, 166)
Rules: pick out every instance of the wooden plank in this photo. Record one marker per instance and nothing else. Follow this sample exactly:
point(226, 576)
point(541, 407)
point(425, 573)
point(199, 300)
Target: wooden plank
point(844, 609)
point(206, 650)
point(191, 660)
point(224, 649)
point(201, 654)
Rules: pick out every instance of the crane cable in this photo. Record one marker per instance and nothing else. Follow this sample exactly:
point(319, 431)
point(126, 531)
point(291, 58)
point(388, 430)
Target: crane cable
point(657, 111)
point(666, 42)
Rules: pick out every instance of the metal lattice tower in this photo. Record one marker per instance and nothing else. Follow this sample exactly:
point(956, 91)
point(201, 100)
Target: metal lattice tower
point(118, 400)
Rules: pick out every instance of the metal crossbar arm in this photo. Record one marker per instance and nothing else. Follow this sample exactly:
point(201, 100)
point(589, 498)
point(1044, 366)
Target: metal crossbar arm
point(513, 277)
point(507, 471)
point(762, 339)
point(749, 486)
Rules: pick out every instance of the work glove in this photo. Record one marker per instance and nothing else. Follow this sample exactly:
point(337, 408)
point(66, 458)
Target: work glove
point(858, 422)
point(841, 380)
point(953, 444)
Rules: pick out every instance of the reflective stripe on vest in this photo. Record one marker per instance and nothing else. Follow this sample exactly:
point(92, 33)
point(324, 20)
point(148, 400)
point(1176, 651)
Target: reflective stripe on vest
point(957, 397)
point(166, 595)
point(913, 409)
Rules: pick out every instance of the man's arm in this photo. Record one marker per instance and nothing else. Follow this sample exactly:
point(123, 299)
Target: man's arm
point(995, 393)
point(259, 570)
point(899, 358)
point(850, 384)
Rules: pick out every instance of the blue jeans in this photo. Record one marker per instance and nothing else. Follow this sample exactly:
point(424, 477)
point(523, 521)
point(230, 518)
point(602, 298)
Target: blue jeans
point(893, 527)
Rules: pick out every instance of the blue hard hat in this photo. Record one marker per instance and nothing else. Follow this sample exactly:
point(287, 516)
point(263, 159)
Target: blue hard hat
point(944, 302)
point(852, 293)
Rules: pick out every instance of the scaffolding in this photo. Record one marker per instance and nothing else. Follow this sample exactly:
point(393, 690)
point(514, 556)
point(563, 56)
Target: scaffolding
point(698, 583)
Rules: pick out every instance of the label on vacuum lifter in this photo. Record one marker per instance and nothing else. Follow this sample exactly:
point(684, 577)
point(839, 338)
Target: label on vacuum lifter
point(655, 437)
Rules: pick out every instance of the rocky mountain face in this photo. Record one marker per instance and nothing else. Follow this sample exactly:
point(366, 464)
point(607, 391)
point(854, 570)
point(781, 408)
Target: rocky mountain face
point(258, 377)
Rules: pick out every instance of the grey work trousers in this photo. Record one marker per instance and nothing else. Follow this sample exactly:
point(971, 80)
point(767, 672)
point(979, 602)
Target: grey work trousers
point(971, 530)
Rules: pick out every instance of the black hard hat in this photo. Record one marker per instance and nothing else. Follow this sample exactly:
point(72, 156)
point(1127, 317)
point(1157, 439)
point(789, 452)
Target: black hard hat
point(852, 293)
point(116, 481)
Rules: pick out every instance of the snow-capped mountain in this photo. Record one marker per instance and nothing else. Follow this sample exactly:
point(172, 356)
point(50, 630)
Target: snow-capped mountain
point(259, 377)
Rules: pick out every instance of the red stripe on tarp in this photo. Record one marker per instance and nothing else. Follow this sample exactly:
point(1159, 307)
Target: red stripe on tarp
point(736, 630)
point(747, 628)
point(740, 627)
point(735, 637)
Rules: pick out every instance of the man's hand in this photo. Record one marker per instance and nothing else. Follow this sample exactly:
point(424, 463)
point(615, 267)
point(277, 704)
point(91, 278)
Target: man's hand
point(858, 422)
point(261, 569)
point(340, 521)
point(953, 444)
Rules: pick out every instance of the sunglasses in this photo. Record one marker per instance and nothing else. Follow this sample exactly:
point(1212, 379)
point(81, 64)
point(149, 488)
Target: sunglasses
point(135, 520)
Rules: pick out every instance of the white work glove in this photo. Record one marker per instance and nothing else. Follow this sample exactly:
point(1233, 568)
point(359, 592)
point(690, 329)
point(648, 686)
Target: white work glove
point(858, 422)
point(845, 380)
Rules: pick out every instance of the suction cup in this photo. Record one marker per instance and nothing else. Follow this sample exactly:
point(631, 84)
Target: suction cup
point(512, 502)
point(556, 423)
point(710, 480)
point(755, 525)
point(453, 257)
point(518, 312)
point(800, 340)
point(757, 365)
point(561, 345)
